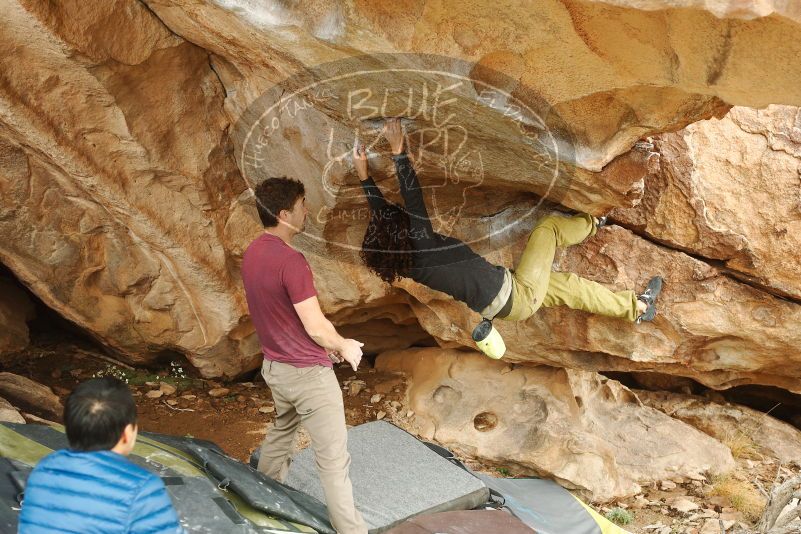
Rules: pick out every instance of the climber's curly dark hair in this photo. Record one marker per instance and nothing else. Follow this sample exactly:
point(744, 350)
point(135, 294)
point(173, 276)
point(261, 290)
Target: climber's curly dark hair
point(387, 249)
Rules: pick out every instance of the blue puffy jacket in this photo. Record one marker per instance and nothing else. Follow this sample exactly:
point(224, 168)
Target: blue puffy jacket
point(95, 492)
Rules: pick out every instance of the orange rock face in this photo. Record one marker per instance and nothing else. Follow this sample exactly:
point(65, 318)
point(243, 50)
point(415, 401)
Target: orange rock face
point(733, 184)
point(586, 431)
point(117, 180)
point(125, 202)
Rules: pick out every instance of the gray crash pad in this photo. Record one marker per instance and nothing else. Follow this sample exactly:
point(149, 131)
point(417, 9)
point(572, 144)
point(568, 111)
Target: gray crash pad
point(395, 477)
point(464, 522)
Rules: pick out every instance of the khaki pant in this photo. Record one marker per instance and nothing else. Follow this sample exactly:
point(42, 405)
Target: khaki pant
point(535, 285)
point(311, 395)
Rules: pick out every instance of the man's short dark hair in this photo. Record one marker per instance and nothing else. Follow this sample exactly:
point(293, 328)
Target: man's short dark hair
point(274, 195)
point(97, 412)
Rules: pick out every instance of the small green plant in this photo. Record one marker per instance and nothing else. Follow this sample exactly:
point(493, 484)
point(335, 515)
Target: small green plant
point(619, 516)
point(504, 471)
point(140, 377)
point(114, 371)
point(176, 370)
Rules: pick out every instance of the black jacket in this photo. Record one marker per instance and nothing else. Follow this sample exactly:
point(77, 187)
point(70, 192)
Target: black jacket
point(440, 262)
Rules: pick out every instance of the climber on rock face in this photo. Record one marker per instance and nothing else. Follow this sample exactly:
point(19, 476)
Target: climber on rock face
point(402, 243)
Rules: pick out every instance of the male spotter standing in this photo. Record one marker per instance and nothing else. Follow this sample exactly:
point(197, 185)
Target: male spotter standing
point(299, 345)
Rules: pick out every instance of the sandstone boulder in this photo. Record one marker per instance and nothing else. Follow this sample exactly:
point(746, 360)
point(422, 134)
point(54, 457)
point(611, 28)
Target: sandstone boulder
point(654, 65)
point(585, 431)
point(29, 395)
point(731, 424)
point(118, 181)
point(728, 190)
point(8, 413)
point(381, 335)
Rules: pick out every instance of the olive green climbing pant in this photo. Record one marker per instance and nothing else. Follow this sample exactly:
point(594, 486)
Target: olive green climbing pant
point(535, 285)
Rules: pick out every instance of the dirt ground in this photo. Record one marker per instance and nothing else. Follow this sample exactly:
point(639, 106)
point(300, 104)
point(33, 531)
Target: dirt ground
point(237, 415)
point(234, 415)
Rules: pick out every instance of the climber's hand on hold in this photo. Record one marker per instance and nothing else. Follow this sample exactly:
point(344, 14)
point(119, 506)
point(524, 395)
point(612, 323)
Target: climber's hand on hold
point(360, 161)
point(394, 134)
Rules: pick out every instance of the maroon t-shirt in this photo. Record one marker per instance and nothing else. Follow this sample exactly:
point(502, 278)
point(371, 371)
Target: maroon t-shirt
point(276, 276)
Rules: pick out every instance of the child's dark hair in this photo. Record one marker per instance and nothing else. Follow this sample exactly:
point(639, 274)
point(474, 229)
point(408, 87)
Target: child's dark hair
point(97, 412)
